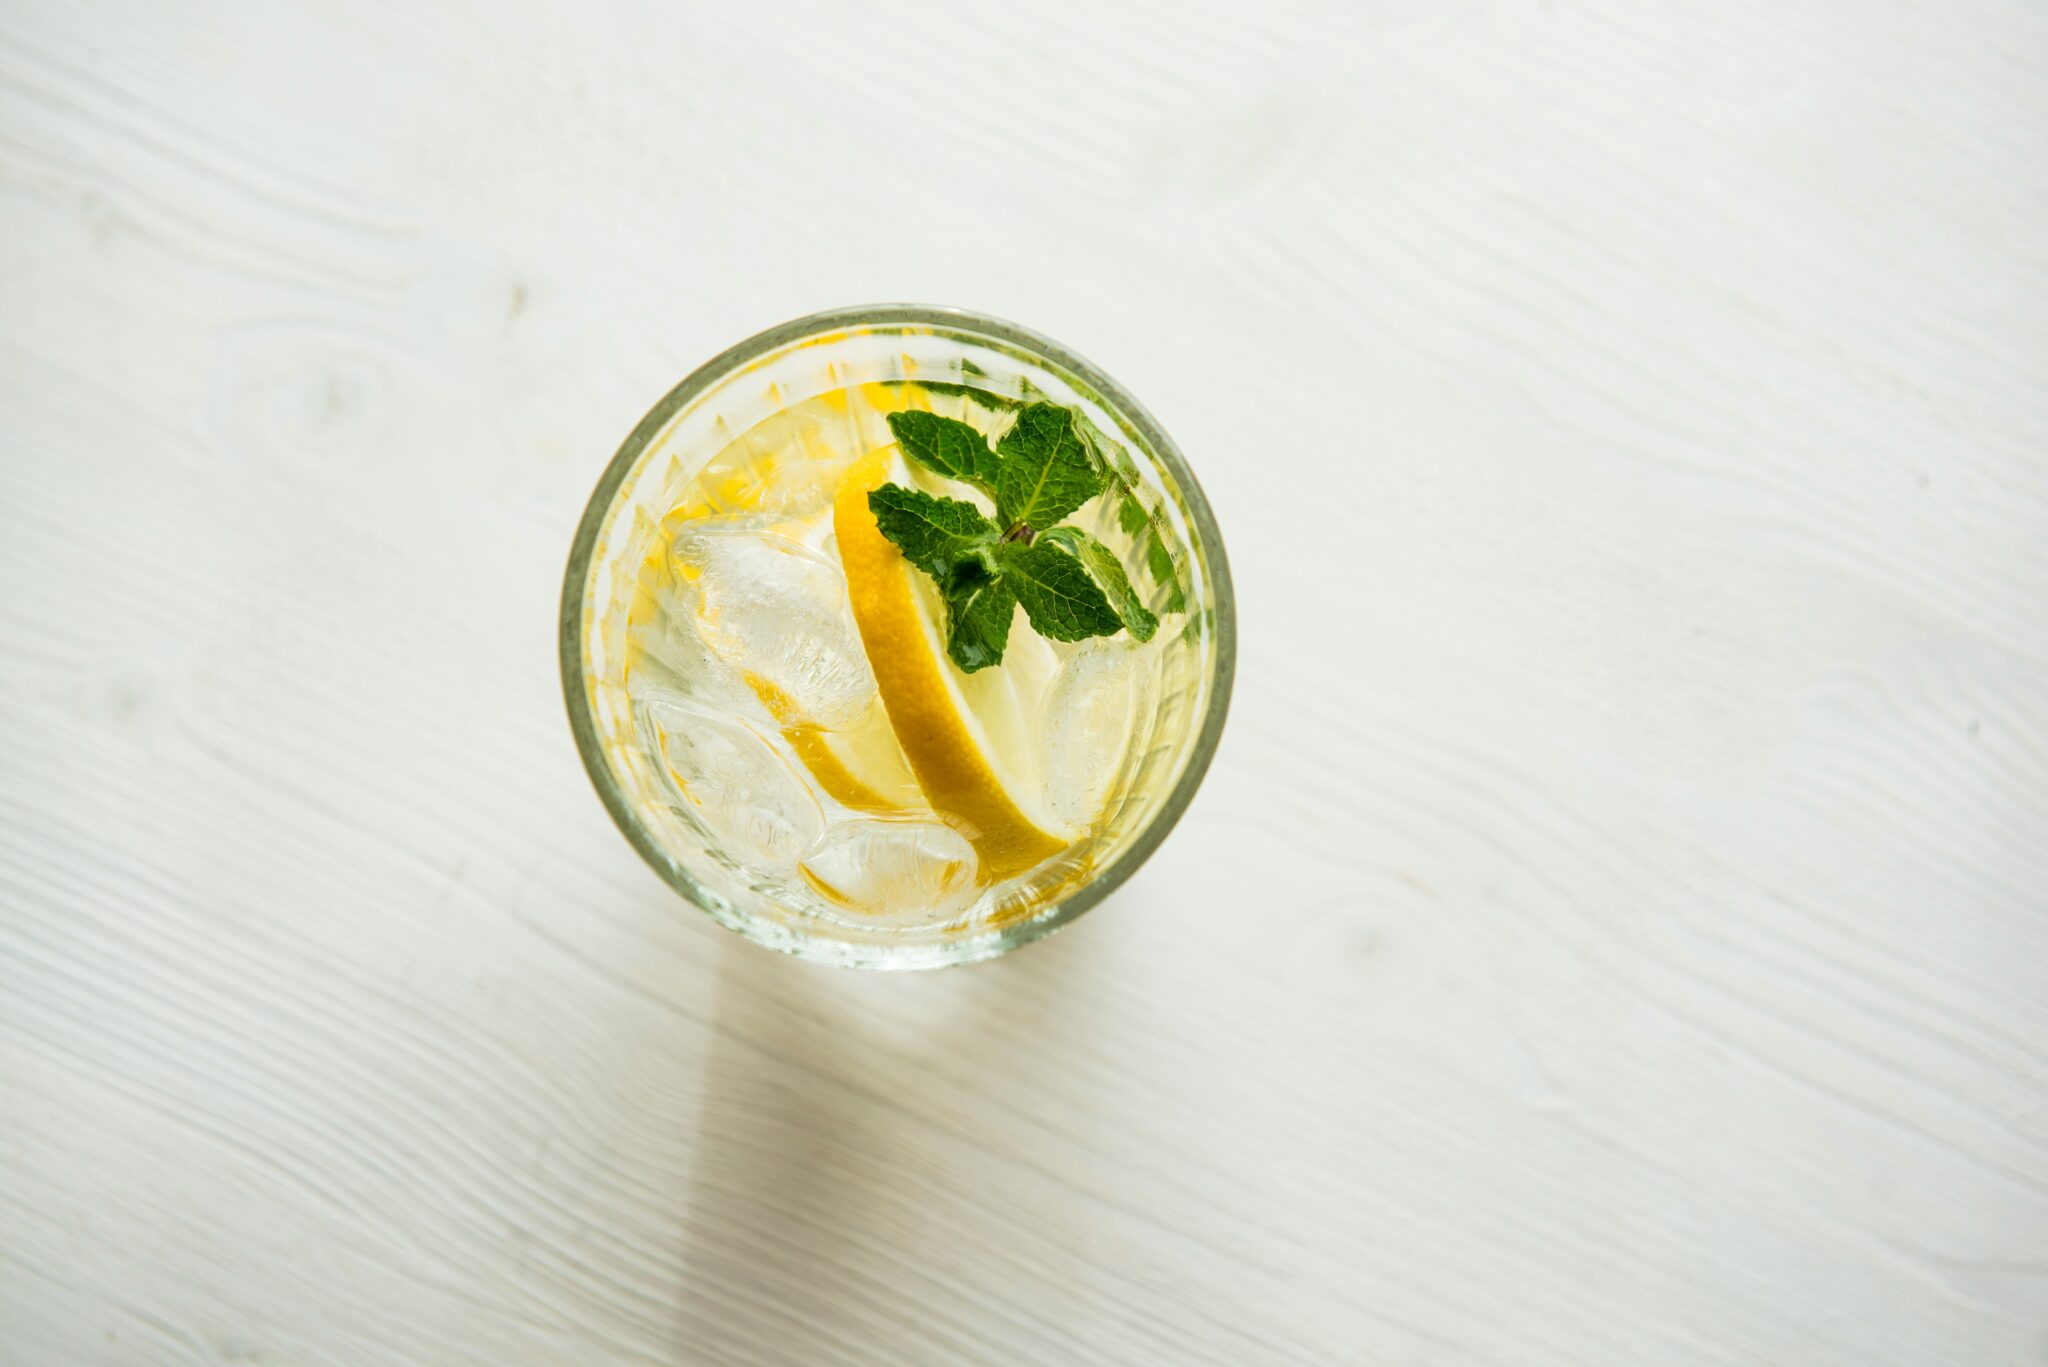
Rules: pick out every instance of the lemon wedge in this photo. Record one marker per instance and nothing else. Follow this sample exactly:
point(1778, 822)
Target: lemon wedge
point(860, 766)
point(969, 776)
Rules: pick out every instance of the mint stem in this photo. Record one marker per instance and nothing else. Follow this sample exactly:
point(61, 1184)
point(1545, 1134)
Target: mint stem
point(1021, 532)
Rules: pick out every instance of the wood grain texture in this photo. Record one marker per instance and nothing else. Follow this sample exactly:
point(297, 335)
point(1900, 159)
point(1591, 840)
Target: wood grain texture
point(1613, 931)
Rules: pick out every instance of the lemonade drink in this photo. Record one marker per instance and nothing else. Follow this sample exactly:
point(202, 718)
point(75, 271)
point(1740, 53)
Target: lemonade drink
point(895, 757)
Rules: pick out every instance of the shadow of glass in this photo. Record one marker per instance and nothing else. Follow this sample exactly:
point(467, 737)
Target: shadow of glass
point(849, 1129)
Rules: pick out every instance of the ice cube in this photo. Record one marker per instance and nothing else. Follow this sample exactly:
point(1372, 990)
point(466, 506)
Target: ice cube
point(1096, 702)
point(734, 783)
point(893, 871)
point(774, 609)
point(672, 658)
point(786, 464)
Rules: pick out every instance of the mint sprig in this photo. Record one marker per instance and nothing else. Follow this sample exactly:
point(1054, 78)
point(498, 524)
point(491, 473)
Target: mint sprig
point(1071, 586)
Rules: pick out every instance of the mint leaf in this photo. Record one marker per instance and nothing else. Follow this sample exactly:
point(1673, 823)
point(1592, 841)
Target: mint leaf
point(935, 534)
point(1159, 564)
point(1107, 571)
point(1134, 518)
point(1046, 471)
point(987, 398)
point(1063, 603)
point(953, 448)
point(979, 608)
point(953, 543)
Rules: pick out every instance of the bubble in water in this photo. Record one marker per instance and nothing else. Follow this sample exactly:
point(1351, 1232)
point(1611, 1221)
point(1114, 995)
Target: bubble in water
point(747, 797)
point(895, 872)
point(1095, 703)
point(772, 608)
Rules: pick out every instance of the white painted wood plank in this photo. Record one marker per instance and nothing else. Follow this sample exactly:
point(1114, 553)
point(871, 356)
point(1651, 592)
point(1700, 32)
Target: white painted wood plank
point(1612, 931)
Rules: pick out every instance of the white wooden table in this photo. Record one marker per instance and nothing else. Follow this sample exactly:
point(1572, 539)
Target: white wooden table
point(1615, 930)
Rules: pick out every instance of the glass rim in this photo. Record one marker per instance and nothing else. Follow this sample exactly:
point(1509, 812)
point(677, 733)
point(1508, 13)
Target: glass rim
point(971, 948)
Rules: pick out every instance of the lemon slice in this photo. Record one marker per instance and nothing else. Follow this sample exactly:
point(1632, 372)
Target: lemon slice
point(861, 766)
point(968, 776)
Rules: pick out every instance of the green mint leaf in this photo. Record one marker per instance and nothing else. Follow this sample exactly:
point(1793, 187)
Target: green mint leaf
point(979, 608)
point(1159, 564)
point(1063, 603)
point(953, 448)
point(1107, 571)
point(987, 398)
point(935, 534)
point(1134, 518)
point(1046, 472)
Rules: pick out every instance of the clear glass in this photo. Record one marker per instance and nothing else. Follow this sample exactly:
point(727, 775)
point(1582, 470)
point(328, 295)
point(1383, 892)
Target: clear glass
point(772, 372)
